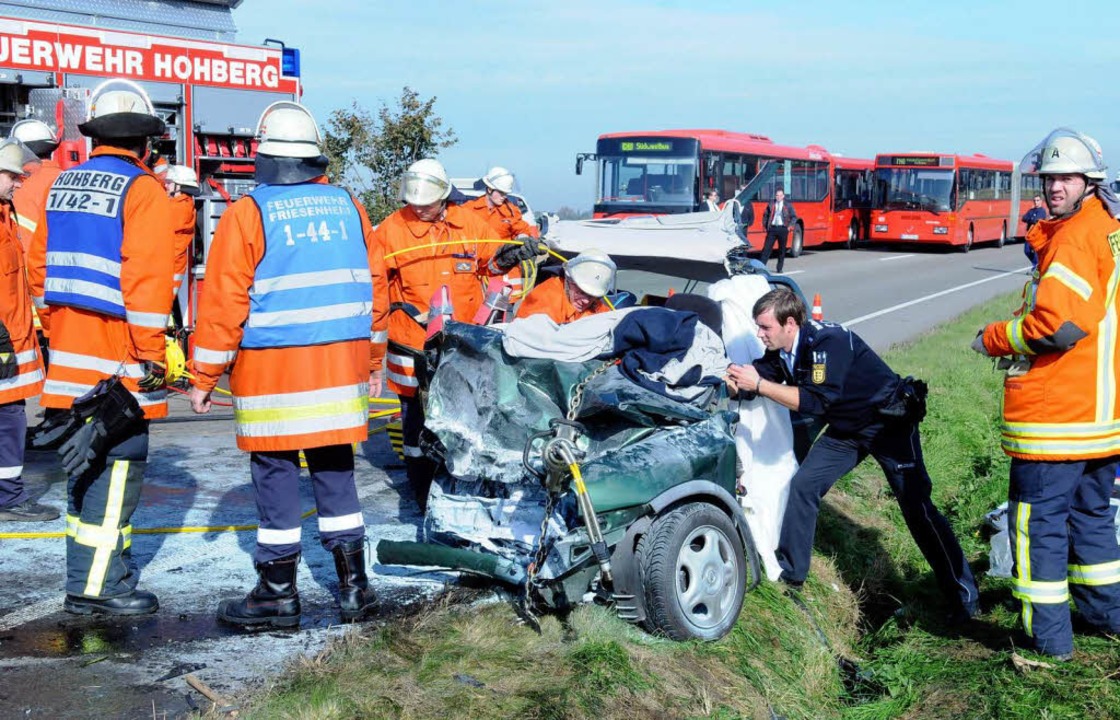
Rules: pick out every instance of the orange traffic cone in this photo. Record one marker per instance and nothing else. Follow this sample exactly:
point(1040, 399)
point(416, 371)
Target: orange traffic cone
point(818, 311)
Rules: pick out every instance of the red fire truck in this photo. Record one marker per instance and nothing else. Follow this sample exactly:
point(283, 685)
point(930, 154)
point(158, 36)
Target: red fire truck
point(209, 90)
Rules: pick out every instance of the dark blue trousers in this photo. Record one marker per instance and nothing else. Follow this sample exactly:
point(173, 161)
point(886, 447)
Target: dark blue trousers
point(419, 469)
point(276, 481)
point(99, 511)
point(897, 448)
point(13, 432)
point(1063, 541)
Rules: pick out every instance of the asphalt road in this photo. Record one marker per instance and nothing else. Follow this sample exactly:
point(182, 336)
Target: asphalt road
point(886, 295)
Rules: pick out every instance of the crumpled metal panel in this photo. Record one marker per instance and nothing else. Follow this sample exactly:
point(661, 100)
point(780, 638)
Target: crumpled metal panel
point(180, 18)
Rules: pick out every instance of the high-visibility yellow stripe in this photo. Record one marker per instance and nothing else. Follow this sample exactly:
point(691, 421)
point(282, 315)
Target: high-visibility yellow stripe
point(28, 223)
point(1070, 429)
point(307, 412)
point(1042, 592)
point(114, 504)
point(1022, 553)
point(1099, 574)
point(1063, 274)
point(1060, 446)
point(1106, 352)
point(1014, 330)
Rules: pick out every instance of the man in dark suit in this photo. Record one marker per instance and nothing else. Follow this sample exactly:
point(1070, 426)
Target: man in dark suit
point(777, 219)
point(825, 370)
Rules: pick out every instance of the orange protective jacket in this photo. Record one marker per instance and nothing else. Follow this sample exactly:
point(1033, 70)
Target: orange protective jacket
point(284, 398)
point(15, 313)
point(31, 197)
point(506, 223)
point(86, 346)
point(183, 212)
point(415, 275)
point(1066, 406)
point(550, 298)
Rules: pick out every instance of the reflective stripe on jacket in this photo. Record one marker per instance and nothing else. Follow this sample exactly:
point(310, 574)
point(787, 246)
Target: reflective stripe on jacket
point(1065, 407)
point(84, 209)
point(415, 275)
point(31, 197)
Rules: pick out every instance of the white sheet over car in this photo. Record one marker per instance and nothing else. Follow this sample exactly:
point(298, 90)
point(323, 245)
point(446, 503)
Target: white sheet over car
point(764, 436)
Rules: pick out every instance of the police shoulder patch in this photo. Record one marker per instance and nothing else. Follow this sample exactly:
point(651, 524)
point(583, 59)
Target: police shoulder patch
point(1114, 242)
point(818, 374)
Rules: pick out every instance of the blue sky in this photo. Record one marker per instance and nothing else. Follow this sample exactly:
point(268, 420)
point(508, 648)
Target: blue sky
point(529, 84)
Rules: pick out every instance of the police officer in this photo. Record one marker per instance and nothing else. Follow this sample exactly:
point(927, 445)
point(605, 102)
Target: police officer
point(1060, 414)
point(825, 370)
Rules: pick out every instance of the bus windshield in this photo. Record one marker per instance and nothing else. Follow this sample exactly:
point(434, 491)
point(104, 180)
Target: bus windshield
point(641, 174)
point(905, 188)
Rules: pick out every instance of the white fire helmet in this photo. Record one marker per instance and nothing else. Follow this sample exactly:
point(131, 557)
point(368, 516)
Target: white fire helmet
point(182, 176)
point(425, 182)
point(1066, 152)
point(14, 156)
point(31, 130)
point(288, 129)
point(592, 271)
point(120, 108)
point(499, 179)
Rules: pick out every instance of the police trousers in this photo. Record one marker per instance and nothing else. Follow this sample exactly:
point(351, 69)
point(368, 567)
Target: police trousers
point(13, 434)
point(897, 447)
point(1063, 542)
point(99, 510)
point(276, 482)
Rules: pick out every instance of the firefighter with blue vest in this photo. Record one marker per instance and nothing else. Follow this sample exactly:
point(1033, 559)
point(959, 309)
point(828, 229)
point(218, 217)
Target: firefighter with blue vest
point(102, 262)
point(1061, 414)
point(296, 303)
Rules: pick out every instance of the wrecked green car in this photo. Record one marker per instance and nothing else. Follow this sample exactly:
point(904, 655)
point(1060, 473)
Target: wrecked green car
point(587, 481)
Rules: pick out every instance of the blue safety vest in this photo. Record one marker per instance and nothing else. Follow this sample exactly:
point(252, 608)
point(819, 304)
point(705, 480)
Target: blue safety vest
point(85, 230)
point(313, 285)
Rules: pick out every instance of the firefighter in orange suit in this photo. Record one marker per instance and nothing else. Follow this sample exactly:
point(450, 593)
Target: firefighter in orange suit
point(21, 370)
point(504, 219)
point(101, 259)
point(30, 198)
point(1061, 410)
point(181, 184)
point(296, 301)
point(576, 293)
point(415, 275)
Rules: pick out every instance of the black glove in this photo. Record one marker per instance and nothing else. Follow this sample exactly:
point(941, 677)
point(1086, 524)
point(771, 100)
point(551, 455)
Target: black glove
point(116, 413)
point(511, 255)
point(155, 377)
point(8, 365)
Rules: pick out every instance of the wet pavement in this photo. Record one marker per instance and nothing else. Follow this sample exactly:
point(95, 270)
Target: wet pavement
point(56, 665)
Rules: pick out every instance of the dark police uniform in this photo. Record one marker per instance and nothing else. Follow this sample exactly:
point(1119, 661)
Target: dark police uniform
point(843, 381)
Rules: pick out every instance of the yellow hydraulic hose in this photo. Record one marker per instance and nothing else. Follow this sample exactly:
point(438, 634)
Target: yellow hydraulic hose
point(148, 531)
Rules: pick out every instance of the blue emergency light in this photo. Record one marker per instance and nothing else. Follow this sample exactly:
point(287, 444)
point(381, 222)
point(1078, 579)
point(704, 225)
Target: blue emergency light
point(289, 62)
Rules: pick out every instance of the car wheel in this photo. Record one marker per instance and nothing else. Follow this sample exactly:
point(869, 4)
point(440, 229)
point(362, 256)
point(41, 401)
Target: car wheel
point(796, 242)
point(694, 574)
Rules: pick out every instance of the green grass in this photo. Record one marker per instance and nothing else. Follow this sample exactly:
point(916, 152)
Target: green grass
point(870, 593)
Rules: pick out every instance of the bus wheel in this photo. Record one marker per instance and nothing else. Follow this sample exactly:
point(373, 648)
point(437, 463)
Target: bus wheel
point(968, 243)
point(1002, 236)
point(796, 242)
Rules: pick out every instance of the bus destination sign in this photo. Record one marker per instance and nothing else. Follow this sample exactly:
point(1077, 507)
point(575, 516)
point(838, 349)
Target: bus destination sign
point(916, 161)
point(646, 146)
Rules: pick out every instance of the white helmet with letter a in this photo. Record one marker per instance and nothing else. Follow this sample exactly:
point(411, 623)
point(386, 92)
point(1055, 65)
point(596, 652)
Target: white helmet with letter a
point(288, 129)
point(1067, 152)
point(425, 182)
point(120, 109)
point(592, 271)
point(499, 179)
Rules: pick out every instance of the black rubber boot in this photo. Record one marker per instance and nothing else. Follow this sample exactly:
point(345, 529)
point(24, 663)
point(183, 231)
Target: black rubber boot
point(274, 601)
point(137, 602)
point(355, 597)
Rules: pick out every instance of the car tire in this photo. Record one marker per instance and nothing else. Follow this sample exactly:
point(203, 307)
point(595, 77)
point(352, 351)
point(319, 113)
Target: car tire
point(796, 241)
point(694, 573)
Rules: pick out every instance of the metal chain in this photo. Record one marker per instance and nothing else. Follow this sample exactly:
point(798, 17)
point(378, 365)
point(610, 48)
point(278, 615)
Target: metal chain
point(541, 554)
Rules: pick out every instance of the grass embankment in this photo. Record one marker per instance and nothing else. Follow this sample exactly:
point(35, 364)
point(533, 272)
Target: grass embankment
point(888, 655)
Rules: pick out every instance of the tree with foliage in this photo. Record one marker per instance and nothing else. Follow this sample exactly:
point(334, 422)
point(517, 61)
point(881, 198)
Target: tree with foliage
point(368, 156)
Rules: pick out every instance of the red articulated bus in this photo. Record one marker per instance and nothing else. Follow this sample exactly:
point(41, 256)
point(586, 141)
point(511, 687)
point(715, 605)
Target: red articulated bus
point(667, 171)
point(956, 200)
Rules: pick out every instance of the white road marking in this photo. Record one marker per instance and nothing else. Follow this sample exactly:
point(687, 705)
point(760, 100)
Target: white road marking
point(900, 306)
point(791, 272)
point(895, 257)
